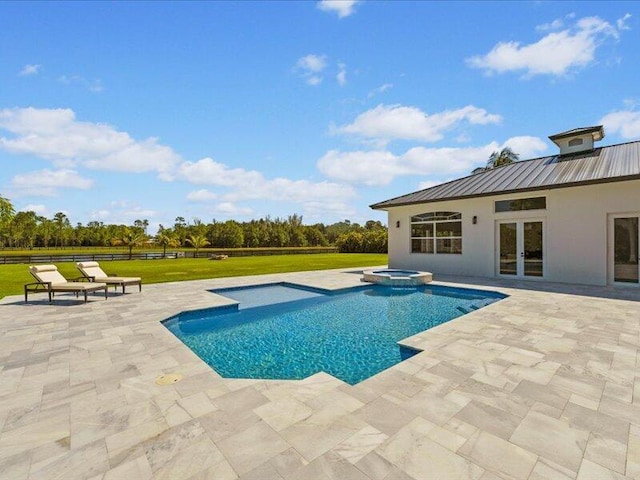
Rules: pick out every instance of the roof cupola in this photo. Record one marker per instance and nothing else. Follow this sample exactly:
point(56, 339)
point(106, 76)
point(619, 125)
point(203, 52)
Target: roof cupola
point(578, 139)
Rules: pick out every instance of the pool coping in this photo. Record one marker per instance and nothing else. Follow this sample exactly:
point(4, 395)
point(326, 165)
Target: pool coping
point(543, 384)
point(234, 305)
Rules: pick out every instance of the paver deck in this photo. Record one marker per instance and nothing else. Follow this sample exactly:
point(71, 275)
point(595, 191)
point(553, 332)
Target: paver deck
point(544, 384)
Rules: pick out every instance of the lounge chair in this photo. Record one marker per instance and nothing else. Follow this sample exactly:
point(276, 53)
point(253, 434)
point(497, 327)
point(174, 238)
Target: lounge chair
point(50, 280)
point(93, 272)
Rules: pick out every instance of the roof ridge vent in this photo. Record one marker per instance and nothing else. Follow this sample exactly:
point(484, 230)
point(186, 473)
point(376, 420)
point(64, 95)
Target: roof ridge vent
point(578, 139)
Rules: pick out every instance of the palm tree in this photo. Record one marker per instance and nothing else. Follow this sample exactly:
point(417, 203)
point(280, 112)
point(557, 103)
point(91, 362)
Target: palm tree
point(130, 238)
point(62, 224)
point(45, 230)
point(197, 242)
point(167, 238)
point(505, 156)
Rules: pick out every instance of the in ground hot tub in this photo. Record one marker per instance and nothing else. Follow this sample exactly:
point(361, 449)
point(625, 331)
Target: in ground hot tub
point(397, 278)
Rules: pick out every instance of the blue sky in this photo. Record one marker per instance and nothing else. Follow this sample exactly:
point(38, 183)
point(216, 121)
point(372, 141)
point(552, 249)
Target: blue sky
point(214, 110)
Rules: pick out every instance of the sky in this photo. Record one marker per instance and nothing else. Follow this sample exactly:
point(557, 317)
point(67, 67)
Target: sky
point(123, 111)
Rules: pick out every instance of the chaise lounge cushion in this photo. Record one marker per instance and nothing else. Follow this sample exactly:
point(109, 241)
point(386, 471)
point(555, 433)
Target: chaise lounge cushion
point(49, 277)
point(50, 274)
point(47, 274)
point(93, 271)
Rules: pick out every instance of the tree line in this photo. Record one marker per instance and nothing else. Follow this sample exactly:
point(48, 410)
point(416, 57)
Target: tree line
point(28, 230)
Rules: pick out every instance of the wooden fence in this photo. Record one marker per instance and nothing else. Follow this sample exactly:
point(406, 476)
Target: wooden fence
point(100, 257)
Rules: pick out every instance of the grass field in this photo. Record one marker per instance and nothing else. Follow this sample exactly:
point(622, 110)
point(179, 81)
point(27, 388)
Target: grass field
point(13, 277)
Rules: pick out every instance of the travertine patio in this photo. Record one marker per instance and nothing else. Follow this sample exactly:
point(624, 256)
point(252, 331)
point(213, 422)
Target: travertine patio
point(541, 385)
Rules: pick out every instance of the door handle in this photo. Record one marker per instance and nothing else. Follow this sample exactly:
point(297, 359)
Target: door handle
point(522, 254)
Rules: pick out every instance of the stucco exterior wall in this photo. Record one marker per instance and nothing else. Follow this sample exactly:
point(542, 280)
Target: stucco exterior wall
point(576, 226)
point(565, 148)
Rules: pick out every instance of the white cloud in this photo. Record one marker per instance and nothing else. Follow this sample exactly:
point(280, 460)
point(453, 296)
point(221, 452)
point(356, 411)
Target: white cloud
point(298, 191)
point(118, 203)
point(626, 123)
point(381, 167)
point(137, 157)
point(381, 89)
point(343, 8)
point(312, 63)
point(202, 195)
point(322, 209)
point(558, 53)
point(621, 23)
point(252, 185)
point(139, 213)
point(231, 209)
point(431, 183)
point(557, 24)
point(525, 146)
point(102, 214)
point(367, 167)
point(310, 68)
point(39, 209)
point(122, 214)
point(341, 77)
point(46, 182)
point(56, 135)
point(390, 122)
point(29, 69)
point(209, 172)
point(94, 86)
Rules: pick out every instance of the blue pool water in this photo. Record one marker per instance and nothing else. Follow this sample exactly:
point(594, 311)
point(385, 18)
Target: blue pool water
point(270, 294)
point(397, 273)
point(351, 335)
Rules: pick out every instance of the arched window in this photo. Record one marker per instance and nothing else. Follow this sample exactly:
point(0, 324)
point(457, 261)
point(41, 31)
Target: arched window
point(436, 232)
point(575, 142)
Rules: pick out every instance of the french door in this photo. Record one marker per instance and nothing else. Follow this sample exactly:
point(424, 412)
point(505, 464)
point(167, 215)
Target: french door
point(624, 249)
point(521, 248)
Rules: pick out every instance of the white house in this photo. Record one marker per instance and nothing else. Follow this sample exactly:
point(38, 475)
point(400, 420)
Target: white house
point(571, 217)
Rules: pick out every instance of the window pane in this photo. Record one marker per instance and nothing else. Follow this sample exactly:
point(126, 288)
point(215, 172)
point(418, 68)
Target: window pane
point(423, 217)
point(625, 233)
point(422, 230)
point(534, 203)
point(533, 261)
point(422, 245)
point(449, 229)
point(508, 252)
point(448, 216)
point(449, 245)
point(431, 216)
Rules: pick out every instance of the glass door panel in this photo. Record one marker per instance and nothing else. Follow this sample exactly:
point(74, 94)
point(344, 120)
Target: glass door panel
point(508, 249)
point(625, 250)
point(532, 253)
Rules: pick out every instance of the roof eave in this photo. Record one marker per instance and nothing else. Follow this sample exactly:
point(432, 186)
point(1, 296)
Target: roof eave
point(382, 206)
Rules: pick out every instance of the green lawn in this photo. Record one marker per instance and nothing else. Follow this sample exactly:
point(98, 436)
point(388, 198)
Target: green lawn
point(13, 277)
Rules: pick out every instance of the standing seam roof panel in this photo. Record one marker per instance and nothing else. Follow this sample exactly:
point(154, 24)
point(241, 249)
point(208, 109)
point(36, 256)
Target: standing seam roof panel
point(603, 164)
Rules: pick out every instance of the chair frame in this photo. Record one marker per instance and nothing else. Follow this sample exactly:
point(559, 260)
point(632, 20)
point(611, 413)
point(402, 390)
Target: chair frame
point(48, 287)
point(115, 284)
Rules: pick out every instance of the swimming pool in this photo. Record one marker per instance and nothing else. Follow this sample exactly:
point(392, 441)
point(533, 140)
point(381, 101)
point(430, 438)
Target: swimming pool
point(350, 334)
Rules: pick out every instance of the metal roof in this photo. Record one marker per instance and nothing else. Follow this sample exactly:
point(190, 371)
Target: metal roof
point(614, 163)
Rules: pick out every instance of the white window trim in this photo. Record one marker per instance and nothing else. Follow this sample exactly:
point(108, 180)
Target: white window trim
point(435, 237)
